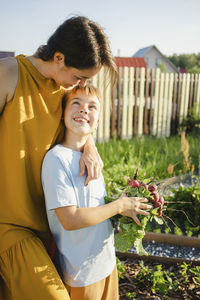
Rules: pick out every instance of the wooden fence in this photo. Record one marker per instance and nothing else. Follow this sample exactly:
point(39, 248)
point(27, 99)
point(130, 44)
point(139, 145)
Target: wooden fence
point(145, 102)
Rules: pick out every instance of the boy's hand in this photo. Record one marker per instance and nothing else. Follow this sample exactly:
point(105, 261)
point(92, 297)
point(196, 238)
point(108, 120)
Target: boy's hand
point(90, 161)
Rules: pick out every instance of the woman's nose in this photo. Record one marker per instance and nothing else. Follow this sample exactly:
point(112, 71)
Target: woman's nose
point(83, 82)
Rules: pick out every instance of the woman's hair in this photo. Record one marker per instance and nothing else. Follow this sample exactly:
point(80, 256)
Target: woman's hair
point(83, 43)
point(88, 90)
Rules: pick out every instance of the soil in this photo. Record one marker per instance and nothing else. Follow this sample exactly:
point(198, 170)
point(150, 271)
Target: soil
point(187, 287)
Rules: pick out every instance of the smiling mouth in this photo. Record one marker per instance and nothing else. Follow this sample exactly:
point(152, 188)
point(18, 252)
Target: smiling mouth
point(81, 119)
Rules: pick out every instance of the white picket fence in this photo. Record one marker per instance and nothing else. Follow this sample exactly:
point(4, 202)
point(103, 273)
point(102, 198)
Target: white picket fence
point(145, 102)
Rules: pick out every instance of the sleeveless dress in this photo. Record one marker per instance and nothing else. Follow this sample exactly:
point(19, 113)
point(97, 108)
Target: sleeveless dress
point(29, 125)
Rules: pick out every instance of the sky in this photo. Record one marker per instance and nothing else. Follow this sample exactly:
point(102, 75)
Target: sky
point(173, 26)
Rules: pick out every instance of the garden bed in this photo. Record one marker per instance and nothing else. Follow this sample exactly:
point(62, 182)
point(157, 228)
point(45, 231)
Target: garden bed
point(140, 277)
point(153, 280)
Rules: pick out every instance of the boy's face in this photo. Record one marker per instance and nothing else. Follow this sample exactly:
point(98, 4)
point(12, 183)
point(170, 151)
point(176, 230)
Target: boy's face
point(81, 115)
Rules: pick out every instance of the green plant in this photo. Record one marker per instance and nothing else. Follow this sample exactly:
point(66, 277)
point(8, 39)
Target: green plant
point(192, 122)
point(131, 295)
point(128, 232)
point(185, 201)
point(196, 271)
point(120, 268)
point(157, 279)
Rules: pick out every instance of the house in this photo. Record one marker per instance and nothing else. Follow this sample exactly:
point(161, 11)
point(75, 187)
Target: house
point(4, 54)
point(136, 62)
point(155, 59)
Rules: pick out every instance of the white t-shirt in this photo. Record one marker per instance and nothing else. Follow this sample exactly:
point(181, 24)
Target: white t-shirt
point(86, 255)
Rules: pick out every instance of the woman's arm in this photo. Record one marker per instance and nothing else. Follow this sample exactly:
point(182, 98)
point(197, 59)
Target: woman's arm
point(73, 218)
point(8, 80)
point(91, 161)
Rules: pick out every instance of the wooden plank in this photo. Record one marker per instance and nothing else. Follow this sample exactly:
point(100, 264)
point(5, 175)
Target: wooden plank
point(160, 106)
point(169, 108)
point(198, 96)
point(146, 101)
point(94, 81)
point(173, 119)
point(165, 104)
point(119, 103)
point(107, 103)
point(135, 102)
point(182, 102)
point(151, 100)
point(125, 103)
point(191, 93)
point(130, 103)
point(155, 104)
point(100, 131)
point(141, 102)
point(113, 113)
point(187, 87)
point(178, 101)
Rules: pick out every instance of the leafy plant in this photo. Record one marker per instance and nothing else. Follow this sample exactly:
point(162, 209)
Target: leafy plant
point(185, 199)
point(196, 271)
point(157, 279)
point(131, 295)
point(128, 232)
point(120, 268)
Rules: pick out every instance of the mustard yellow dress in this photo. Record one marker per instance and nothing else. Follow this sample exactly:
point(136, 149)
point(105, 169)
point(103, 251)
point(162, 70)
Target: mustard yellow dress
point(29, 126)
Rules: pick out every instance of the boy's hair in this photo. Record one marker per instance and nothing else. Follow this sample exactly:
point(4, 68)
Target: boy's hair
point(88, 89)
point(83, 43)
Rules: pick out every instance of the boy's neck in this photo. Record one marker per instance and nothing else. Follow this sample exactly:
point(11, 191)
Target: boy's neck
point(74, 142)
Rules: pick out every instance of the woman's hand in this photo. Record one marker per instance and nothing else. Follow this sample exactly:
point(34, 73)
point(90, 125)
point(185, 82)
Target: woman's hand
point(132, 206)
point(90, 161)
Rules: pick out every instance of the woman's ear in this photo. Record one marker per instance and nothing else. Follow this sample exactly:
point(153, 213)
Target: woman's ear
point(59, 58)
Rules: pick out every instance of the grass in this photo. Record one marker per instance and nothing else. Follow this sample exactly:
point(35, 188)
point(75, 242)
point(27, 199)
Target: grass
point(156, 158)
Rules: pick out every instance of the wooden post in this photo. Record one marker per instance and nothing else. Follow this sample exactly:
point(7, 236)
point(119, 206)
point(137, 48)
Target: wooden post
point(146, 101)
point(141, 102)
point(135, 102)
point(113, 114)
point(100, 131)
point(155, 104)
point(170, 110)
point(182, 102)
point(107, 102)
point(165, 104)
point(151, 100)
point(178, 102)
point(130, 105)
point(191, 93)
point(125, 103)
point(119, 104)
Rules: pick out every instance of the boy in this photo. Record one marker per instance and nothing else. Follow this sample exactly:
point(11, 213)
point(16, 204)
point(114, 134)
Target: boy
point(77, 214)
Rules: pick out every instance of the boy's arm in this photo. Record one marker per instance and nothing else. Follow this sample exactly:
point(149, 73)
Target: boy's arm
point(73, 218)
point(91, 161)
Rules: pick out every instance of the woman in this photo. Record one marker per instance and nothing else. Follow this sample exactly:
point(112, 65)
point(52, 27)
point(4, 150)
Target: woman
point(31, 90)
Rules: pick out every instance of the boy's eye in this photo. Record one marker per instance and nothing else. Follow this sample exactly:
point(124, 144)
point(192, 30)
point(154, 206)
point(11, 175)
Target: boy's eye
point(76, 103)
point(93, 107)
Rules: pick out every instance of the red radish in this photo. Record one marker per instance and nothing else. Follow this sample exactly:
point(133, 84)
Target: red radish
point(152, 187)
point(134, 183)
point(161, 201)
point(143, 184)
point(155, 196)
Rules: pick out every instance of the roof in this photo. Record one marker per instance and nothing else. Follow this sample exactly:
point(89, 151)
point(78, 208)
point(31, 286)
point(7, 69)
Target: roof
point(6, 54)
point(136, 62)
point(142, 51)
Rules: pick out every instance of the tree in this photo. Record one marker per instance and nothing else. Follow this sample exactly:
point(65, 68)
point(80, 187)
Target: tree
point(189, 62)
